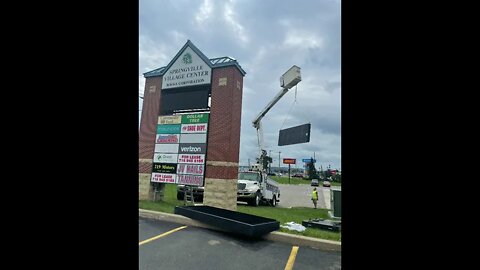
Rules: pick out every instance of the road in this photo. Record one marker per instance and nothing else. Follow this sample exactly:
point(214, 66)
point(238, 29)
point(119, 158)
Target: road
point(301, 196)
point(200, 249)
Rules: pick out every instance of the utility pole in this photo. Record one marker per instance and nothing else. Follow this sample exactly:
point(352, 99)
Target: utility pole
point(279, 160)
point(270, 163)
point(249, 164)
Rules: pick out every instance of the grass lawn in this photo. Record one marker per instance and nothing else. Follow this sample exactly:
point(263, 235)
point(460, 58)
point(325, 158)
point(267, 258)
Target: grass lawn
point(336, 184)
point(282, 215)
point(293, 180)
point(298, 181)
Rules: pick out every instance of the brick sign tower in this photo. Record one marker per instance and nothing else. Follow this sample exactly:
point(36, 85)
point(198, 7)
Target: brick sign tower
point(192, 83)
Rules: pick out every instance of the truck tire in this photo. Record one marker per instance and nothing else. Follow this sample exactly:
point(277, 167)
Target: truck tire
point(274, 201)
point(180, 196)
point(255, 201)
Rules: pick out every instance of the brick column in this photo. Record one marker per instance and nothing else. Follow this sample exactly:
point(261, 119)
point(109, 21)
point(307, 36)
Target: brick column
point(224, 138)
point(148, 129)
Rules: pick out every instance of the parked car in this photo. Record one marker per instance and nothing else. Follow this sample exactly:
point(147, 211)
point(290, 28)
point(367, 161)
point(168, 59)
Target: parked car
point(326, 184)
point(299, 175)
point(314, 183)
point(197, 192)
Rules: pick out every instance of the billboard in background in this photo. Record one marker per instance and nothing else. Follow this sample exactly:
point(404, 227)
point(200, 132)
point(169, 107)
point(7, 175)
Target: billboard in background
point(289, 161)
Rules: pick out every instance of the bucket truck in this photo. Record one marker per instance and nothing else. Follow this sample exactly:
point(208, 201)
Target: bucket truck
point(254, 186)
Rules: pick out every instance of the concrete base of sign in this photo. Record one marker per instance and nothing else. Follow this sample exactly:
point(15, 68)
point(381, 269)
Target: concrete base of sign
point(221, 193)
point(145, 190)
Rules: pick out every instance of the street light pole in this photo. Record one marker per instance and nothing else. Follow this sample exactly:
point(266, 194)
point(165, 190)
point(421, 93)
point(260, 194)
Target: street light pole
point(270, 163)
point(279, 160)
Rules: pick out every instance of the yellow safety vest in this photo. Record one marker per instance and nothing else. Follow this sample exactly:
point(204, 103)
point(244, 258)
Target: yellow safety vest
point(314, 195)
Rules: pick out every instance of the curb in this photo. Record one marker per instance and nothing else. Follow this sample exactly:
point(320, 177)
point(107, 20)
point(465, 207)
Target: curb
point(292, 239)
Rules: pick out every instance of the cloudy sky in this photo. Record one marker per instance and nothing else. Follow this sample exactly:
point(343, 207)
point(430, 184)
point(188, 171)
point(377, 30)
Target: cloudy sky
point(267, 38)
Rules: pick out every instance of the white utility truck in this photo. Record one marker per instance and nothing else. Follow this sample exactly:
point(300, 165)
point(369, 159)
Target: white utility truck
point(254, 186)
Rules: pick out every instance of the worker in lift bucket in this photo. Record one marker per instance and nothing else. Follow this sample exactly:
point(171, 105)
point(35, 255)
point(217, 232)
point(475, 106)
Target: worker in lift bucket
point(315, 197)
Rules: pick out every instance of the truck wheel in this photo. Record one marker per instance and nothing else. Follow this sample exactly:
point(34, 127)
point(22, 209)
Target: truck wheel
point(179, 196)
point(255, 201)
point(274, 201)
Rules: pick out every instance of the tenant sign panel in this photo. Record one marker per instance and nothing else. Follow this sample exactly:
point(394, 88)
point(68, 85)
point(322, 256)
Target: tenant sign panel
point(180, 149)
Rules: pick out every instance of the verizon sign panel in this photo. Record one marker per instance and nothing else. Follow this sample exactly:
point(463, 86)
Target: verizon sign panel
point(180, 149)
point(193, 148)
point(189, 69)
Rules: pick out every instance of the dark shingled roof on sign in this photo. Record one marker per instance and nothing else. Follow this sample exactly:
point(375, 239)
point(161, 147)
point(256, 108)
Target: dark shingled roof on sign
point(214, 62)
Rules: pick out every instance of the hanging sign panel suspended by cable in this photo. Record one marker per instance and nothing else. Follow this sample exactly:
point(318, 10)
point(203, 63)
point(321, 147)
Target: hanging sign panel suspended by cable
point(294, 135)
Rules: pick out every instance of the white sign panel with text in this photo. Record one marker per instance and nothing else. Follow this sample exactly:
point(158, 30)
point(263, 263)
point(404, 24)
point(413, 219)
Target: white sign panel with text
point(191, 158)
point(164, 178)
point(194, 128)
point(165, 158)
point(166, 148)
point(193, 138)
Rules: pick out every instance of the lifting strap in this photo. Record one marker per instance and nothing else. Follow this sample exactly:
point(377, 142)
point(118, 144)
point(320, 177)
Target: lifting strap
point(291, 107)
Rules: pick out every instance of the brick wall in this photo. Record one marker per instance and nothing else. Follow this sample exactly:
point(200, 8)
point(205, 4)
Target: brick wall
point(224, 138)
point(148, 129)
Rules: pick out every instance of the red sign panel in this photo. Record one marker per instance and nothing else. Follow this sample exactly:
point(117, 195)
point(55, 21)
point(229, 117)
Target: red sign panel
point(189, 169)
point(289, 161)
point(187, 179)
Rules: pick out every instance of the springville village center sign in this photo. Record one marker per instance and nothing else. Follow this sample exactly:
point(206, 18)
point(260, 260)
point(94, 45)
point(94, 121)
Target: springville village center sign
point(188, 70)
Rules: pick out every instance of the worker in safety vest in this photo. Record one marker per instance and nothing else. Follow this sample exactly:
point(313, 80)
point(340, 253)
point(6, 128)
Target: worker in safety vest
point(315, 197)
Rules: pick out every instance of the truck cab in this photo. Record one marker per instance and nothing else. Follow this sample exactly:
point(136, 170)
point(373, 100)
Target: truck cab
point(254, 187)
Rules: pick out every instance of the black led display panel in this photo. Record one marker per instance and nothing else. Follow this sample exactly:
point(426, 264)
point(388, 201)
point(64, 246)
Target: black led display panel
point(294, 135)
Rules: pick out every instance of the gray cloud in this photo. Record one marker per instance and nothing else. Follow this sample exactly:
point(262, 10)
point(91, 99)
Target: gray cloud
point(267, 38)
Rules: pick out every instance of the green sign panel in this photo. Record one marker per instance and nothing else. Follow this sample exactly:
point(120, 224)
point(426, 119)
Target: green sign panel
point(195, 118)
point(168, 129)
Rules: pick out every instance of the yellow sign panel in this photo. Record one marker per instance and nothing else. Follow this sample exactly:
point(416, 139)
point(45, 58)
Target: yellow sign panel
point(169, 120)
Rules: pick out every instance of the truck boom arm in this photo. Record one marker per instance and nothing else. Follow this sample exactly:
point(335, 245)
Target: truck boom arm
point(256, 121)
point(292, 80)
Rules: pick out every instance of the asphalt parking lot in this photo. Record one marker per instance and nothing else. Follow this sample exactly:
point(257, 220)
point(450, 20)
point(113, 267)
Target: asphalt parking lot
point(301, 195)
point(165, 245)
